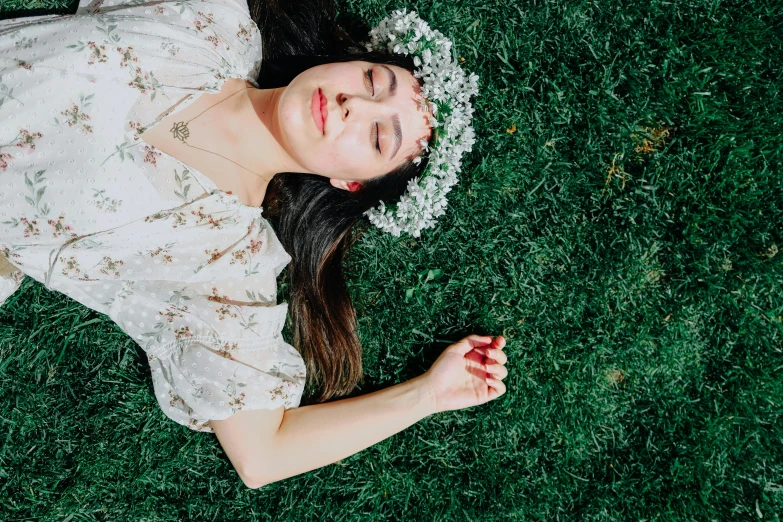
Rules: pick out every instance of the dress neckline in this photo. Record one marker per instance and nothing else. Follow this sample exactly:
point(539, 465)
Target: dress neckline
point(212, 188)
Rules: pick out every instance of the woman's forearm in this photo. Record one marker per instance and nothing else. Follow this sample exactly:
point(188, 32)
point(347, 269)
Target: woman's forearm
point(313, 436)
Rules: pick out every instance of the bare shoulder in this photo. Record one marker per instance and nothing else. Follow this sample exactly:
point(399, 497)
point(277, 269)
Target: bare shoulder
point(247, 437)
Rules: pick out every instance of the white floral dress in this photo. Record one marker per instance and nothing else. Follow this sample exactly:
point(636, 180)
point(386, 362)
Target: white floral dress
point(90, 210)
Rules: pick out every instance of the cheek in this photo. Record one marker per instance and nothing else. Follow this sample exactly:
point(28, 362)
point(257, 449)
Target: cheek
point(348, 158)
point(327, 159)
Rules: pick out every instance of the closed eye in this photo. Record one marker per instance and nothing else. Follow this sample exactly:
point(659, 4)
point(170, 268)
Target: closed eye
point(374, 134)
point(374, 137)
point(368, 81)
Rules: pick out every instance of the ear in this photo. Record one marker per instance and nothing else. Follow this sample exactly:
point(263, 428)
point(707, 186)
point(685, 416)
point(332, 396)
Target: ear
point(351, 186)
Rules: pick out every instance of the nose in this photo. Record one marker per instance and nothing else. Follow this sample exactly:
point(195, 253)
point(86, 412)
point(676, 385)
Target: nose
point(354, 106)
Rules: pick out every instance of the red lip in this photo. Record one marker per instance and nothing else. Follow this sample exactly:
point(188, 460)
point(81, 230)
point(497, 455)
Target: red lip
point(324, 108)
point(318, 110)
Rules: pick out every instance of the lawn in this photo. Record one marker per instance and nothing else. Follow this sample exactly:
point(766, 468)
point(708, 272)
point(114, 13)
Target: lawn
point(619, 221)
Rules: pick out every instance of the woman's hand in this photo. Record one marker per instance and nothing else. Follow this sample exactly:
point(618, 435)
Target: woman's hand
point(467, 373)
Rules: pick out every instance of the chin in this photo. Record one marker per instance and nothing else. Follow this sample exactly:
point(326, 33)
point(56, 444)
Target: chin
point(294, 123)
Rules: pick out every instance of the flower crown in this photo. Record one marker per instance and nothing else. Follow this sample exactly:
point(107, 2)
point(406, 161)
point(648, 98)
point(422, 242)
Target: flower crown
point(446, 92)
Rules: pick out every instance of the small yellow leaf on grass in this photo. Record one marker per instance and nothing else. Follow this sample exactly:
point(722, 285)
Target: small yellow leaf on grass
point(461, 59)
point(513, 129)
point(614, 376)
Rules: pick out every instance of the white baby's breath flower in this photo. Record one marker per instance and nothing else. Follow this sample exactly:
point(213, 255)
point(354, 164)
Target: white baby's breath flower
point(444, 82)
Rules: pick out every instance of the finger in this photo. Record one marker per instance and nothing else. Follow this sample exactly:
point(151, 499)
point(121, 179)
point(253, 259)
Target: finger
point(484, 351)
point(479, 340)
point(499, 356)
point(470, 342)
point(497, 387)
point(499, 342)
point(498, 371)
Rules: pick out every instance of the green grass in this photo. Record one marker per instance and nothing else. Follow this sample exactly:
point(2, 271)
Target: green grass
point(36, 7)
point(639, 285)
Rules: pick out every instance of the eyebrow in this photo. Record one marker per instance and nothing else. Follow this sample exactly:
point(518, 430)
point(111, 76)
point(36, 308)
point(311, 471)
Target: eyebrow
point(397, 134)
point(396, 117)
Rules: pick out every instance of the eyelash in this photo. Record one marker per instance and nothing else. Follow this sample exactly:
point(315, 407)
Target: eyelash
point(372, 88)
point(372, 84)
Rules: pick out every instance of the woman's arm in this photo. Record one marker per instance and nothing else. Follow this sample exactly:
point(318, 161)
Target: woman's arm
point(313, 436)
point(270, 445)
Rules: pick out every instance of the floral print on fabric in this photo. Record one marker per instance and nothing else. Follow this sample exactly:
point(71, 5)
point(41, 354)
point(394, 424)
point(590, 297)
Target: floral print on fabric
point(91, 210)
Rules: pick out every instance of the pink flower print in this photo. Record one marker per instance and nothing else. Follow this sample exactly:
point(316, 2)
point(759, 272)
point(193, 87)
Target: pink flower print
point(74, 115)
point(60, 227)
point(223, 311)
point(237, 401)
point(197, 425)
point(281, 391)
point(150, 155)
point(172, 312)
point(128, 55)
point(183, 332)
point(231, 389)
point(239, 256)
point(23, 65)
point(97, 6)
point(4, 159)
point(179, 219)
point(243, 256)
point(213, 254)
point(7, 252)
point(245, 32)
point(98, 52)
point(28, 140)
point(213, 40)
point(109, 266)
point(177, 401)
point(203, 219)
point(208, 17)
point(30, 227)
point(255, 246)
point(220, 76)
point(165, 257)
point(137, 127)
point(159, 10)
point(140, 81)
point(227, 349)
point(72, 267)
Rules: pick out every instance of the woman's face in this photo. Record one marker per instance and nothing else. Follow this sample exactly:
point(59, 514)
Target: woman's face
point(352, 120)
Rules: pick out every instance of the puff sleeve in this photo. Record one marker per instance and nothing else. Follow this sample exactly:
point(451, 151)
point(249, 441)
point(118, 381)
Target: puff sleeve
point(184, 46)
point(196, 288)
point(211, 357)
point(98, 6)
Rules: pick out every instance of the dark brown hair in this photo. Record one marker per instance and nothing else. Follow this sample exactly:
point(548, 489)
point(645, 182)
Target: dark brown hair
point(314, 220)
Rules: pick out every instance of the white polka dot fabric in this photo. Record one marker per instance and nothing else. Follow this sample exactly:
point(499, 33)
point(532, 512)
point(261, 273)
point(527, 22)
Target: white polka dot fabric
point(90, 210)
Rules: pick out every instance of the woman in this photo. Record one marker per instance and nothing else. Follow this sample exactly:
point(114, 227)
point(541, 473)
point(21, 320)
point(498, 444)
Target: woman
point(138, 151)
